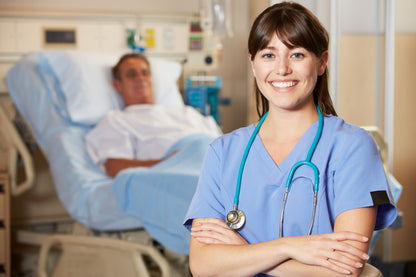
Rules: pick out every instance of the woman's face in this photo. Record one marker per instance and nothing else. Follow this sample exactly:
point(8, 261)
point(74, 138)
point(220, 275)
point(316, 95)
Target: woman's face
point(287, 77)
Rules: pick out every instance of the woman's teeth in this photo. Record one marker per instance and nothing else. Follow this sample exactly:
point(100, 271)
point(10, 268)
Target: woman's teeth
point(283, 84)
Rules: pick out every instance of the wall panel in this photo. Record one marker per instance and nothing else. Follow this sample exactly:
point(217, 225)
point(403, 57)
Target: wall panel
point(404, 242)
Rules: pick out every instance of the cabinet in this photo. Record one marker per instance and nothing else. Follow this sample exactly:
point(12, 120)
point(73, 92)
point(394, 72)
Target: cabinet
point(4, 223)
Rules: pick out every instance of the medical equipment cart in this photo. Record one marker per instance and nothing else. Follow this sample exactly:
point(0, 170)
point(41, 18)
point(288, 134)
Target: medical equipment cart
point(202, 93)
point(4, 223)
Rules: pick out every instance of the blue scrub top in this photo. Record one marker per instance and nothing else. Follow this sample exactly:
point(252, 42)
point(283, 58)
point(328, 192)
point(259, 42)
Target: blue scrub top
point(351, 176)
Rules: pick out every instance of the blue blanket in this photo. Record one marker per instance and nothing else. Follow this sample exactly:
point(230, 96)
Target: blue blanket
point(159, 196)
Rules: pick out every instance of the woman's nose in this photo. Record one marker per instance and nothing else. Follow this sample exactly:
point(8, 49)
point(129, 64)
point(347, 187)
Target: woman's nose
point(282, 67)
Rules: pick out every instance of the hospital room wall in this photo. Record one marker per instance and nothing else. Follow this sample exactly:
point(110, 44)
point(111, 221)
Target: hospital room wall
point(233, 57)
point(357, 104)
point(361, 102)
point(404, 147)
point(121, 6)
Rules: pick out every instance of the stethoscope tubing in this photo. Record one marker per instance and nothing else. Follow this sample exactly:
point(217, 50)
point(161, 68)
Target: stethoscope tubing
point(299, 164)
point(244, 159)
point(306, 162)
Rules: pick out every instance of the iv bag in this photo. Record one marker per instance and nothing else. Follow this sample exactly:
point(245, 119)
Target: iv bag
point(216, 17)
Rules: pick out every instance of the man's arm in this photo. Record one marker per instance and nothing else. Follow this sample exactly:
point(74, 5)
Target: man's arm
point(114, 165)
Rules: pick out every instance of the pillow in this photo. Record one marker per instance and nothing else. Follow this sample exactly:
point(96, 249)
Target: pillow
point(82, 83)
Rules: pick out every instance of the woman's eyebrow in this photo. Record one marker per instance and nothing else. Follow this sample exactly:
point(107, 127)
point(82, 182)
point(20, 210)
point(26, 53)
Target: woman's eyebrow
point(269, 48)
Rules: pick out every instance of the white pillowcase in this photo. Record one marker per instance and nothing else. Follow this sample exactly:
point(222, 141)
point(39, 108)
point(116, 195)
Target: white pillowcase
point(82, 83)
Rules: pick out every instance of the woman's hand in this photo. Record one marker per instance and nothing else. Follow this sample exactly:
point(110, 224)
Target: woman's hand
point(328, 250)
point(215, 231)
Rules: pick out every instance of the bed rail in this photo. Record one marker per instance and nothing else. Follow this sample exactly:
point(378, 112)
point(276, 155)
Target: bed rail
point(16, 146)
point(113, 257)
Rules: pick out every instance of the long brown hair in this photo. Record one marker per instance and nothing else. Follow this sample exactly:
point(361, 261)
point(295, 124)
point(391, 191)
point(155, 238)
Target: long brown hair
point(295, 26)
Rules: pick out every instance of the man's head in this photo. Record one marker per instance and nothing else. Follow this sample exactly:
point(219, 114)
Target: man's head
point(133, 79)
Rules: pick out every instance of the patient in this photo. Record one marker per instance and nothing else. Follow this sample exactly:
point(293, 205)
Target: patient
point(142, 133)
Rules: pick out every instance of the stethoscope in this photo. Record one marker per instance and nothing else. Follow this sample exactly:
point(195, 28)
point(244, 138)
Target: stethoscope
point(236, 218)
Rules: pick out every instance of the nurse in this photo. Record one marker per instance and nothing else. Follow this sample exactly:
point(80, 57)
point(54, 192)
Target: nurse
point(288, 52)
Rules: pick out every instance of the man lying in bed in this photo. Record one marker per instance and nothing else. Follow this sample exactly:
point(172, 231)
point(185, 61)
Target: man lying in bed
point(141, 134)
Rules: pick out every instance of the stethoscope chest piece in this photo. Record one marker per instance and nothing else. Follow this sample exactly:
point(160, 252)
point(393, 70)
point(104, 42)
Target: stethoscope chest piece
point(235, 219)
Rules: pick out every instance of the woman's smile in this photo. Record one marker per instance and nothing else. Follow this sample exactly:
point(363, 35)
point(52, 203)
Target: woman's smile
point(280, 84)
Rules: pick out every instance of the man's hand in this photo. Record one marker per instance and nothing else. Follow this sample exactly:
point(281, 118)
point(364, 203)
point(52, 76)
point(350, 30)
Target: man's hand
point(114, 165)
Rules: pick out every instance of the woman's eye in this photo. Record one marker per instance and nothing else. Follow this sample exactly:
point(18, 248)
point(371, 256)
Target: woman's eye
point(298, 55)
point(268, 55)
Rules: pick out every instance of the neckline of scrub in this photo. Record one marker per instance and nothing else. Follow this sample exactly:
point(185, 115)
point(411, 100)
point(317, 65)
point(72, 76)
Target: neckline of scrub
point(298, 153)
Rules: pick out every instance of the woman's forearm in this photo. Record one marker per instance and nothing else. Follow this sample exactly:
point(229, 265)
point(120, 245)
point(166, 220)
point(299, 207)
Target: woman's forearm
point(235, 260)
point(295, 268)
point(217, 250)
point(276, 258)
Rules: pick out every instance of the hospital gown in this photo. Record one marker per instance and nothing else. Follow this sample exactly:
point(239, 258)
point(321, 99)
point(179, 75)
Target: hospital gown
point(145, 132)
point(351, 176)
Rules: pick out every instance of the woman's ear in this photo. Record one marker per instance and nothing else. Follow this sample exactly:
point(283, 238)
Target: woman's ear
point(323, 61)
point(252, 65)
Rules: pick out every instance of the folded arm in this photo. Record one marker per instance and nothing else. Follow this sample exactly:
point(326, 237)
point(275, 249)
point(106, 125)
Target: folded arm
point(360, 221)
point(335, 254)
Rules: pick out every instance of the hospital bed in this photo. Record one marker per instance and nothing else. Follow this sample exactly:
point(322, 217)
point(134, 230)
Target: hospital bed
point(62, 95)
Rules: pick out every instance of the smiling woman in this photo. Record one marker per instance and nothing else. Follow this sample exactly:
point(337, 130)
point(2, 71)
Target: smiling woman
point(295, 32)
point(282, 73)
point(298, 131)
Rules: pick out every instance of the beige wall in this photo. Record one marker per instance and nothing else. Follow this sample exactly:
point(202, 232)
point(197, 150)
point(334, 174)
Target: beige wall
point(233, 68)
point(119, 6)
point(256, 7)
point(357, 95)
point(404, 247)
point(358, 85)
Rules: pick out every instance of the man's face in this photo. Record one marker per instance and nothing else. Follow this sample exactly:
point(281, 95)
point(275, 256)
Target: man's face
point(135, 83)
